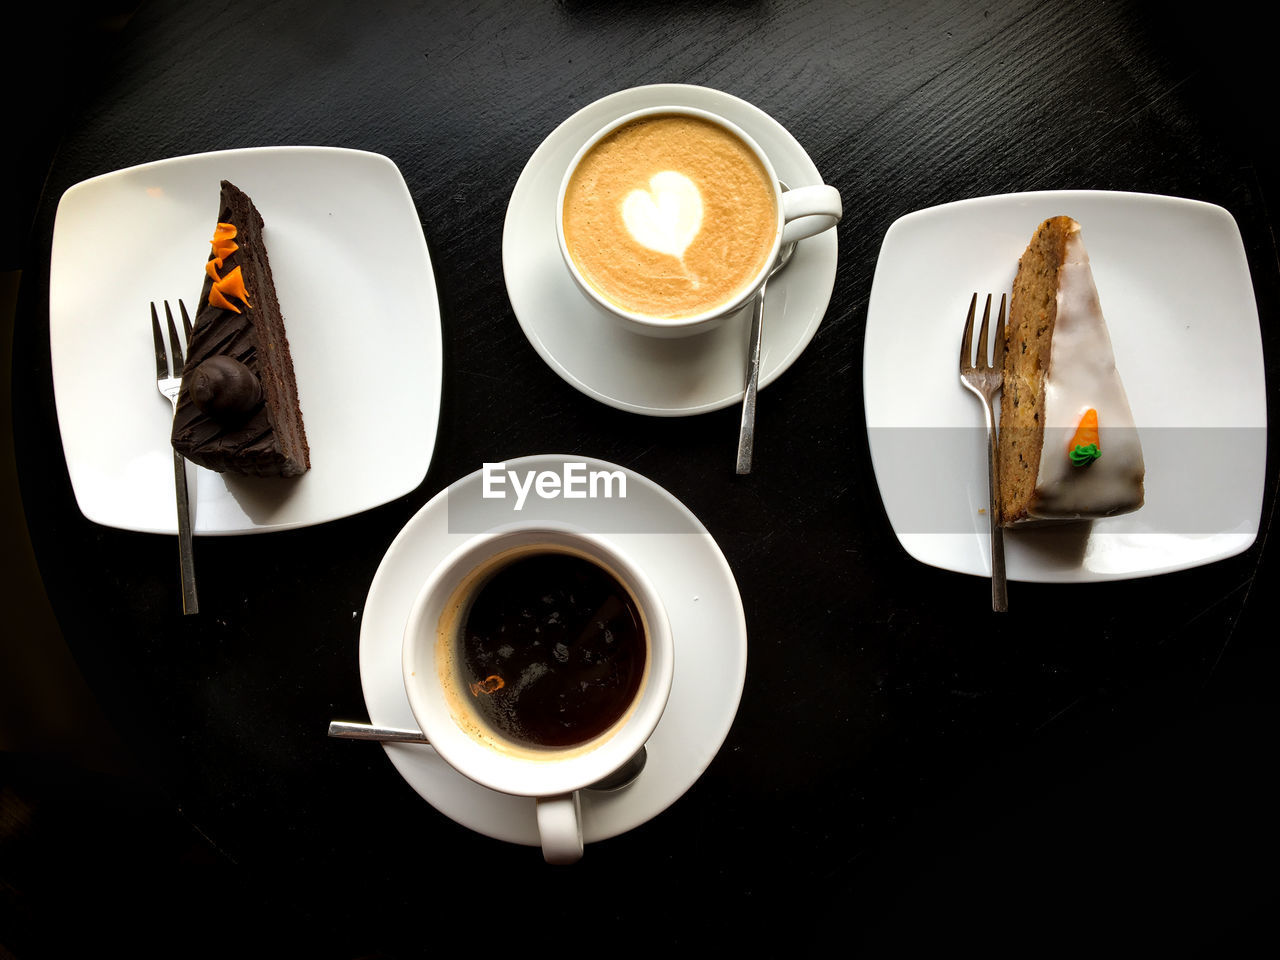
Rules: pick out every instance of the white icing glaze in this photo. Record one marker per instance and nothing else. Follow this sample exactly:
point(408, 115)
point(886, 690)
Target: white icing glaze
point(667, 216)
point(1082, 374)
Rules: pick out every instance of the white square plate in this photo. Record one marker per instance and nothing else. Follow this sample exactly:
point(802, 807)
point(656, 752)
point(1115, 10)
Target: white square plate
point(1175, 288)
point(359, 301)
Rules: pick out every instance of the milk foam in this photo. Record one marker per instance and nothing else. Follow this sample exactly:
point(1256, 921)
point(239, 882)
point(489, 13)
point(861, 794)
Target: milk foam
point(666, 217)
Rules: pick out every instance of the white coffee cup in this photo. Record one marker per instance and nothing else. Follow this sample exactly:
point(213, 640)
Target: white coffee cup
point(802, 211)
point(551, 775)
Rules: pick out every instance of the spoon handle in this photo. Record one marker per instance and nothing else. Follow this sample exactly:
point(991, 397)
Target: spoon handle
point(364, 731)
point(343, 730)
point(747, 431)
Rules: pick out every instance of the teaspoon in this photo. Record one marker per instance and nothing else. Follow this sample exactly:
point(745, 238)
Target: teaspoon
point(343, 730)
point(747, 431)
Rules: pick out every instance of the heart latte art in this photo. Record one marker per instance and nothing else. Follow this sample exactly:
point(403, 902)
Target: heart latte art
point(670, 216)
point(667, 216)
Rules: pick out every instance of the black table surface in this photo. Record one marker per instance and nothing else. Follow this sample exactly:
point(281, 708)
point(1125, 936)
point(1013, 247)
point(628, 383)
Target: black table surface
point(905, 767)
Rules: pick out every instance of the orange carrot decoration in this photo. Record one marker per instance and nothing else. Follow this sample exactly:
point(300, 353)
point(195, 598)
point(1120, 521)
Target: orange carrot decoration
point(1084, 447)
point(232, 283)
point(224, 245)
point(223, 242)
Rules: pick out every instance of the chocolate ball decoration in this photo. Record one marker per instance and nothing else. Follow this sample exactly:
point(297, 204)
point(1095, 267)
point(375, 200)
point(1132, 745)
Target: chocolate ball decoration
point(224, 388)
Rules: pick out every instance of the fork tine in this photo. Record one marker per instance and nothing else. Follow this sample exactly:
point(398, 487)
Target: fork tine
point(998, 360)
point(966, 345)
point(162, 358)
point(982, 335)
point(174, 342)
point(186, 320)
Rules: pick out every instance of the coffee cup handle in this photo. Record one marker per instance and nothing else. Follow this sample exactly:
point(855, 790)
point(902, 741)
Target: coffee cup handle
point(810, 210)
point(560, 827)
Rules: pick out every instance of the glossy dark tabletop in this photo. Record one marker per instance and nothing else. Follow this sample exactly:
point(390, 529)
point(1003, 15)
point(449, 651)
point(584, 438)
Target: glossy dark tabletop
point(905, 767)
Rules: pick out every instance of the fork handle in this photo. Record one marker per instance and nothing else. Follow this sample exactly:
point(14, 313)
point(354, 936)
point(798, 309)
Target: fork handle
point(190, 602)
point(999, 585)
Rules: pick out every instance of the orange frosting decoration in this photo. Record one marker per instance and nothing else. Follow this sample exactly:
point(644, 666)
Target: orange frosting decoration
point(224, 245)
point(1084, 447)
point(1087, 432)
point(232, 283)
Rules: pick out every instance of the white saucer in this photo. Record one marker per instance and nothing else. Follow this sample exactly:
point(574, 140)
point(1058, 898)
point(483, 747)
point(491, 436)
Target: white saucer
point(702, 602)
point(588, 348)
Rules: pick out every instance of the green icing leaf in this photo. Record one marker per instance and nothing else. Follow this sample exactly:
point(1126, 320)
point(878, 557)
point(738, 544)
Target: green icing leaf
point(1082, 455)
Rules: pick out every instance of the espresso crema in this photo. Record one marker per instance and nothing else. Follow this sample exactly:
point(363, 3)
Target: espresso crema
point(670, 216)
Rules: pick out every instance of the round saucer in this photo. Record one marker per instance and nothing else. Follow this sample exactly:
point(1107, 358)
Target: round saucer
point(707, 624)
point(589, 348)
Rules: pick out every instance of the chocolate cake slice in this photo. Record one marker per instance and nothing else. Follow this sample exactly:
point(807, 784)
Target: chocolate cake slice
point(238, 410)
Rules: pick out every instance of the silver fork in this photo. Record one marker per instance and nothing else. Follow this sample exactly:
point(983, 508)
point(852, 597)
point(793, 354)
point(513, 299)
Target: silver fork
point(169, 380)
point(984, 381)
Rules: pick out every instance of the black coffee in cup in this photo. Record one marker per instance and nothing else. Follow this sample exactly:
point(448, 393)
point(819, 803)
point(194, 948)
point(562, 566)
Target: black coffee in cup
point(552, 650)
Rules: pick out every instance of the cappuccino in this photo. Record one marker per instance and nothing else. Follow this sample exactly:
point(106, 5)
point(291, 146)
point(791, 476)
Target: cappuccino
point(670, 216)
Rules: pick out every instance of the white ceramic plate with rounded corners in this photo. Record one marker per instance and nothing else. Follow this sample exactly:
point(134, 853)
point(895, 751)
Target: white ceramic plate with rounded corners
point(358, 296)
point(1176, 291)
